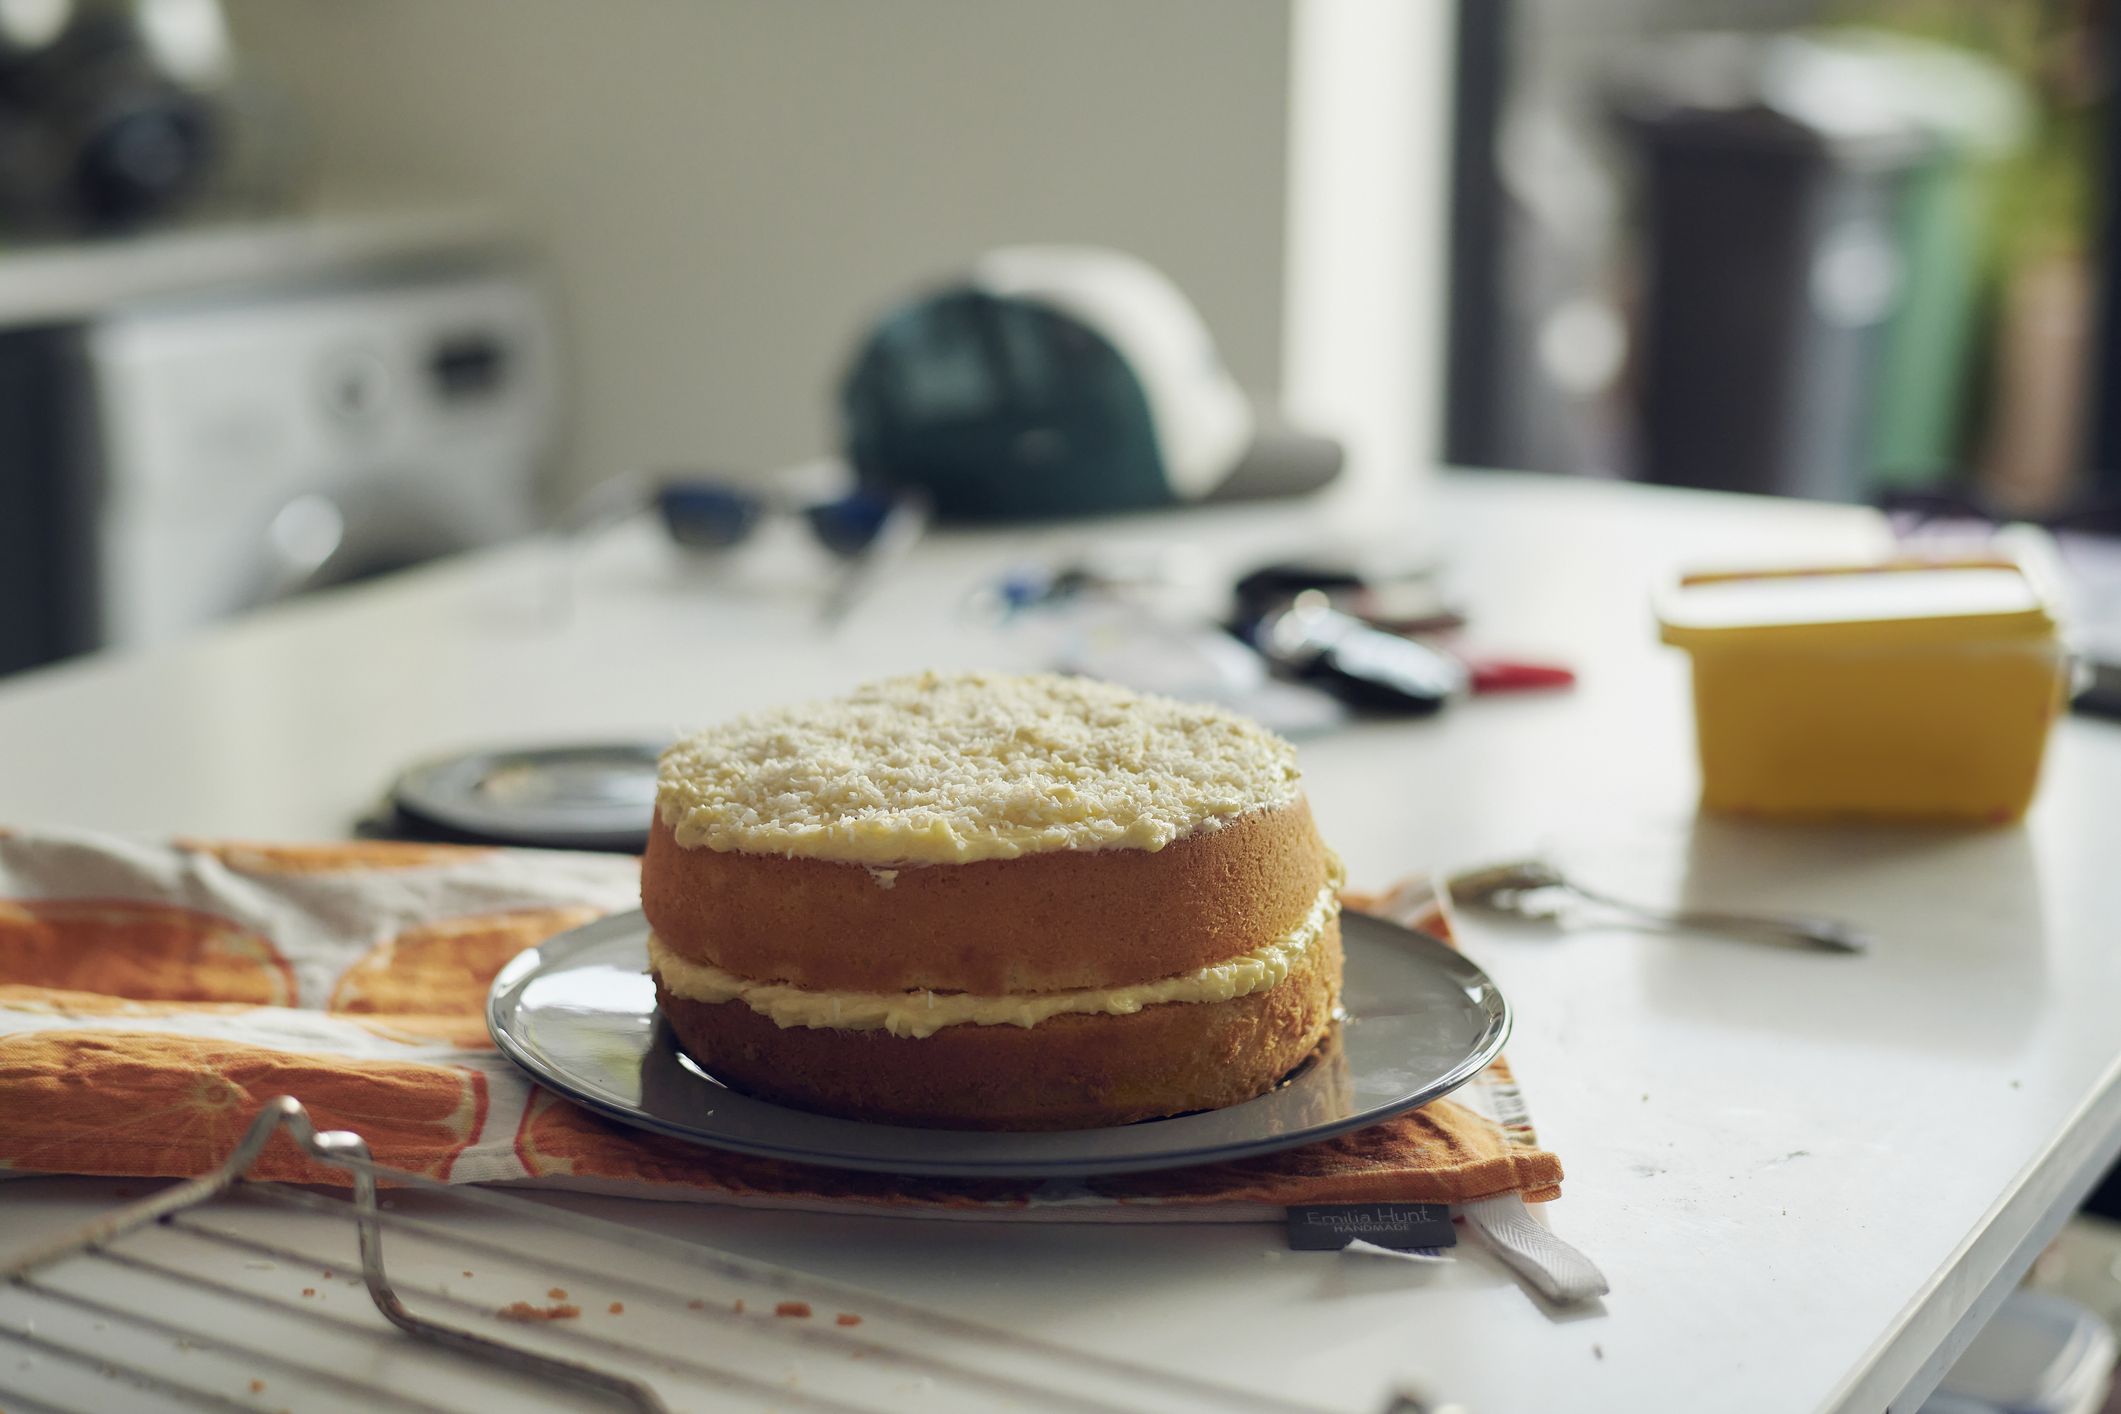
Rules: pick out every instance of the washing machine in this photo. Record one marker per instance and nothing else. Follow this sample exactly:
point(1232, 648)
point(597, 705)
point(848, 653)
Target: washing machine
point(175, 461)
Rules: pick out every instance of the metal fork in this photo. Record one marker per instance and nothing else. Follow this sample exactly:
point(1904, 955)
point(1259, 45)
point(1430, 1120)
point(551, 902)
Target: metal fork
point(1508, 888)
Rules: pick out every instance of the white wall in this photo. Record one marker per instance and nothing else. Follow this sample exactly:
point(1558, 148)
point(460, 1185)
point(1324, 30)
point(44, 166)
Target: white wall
point(1369, 151)
point(726, 189)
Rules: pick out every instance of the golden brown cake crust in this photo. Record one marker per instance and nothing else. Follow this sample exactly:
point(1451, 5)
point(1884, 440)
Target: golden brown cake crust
point(1070, 1072)
point(1036, 923)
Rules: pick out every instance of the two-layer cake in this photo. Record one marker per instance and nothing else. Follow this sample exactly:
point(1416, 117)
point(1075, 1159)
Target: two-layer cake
point(991, 901)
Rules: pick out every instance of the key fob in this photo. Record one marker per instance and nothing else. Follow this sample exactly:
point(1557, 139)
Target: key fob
point(1363, 666)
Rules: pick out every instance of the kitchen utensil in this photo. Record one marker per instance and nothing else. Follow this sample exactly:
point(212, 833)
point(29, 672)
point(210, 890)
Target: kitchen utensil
point(1514, 888)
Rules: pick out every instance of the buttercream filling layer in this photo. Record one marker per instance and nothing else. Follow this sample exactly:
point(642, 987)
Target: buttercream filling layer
point(924, 1013)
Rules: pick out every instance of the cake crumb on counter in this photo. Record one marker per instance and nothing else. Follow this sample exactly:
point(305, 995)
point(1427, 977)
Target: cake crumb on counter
point(792, 1308)
point(525, 1312)
point(846, 1318)
point(558, 1293)
point(618, 1308)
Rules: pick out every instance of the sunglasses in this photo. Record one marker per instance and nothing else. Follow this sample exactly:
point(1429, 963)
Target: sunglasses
point(867, 530)
point(702, 514)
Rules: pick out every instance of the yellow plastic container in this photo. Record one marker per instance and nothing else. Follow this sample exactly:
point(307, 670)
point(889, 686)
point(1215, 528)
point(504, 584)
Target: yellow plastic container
point(1918, 691)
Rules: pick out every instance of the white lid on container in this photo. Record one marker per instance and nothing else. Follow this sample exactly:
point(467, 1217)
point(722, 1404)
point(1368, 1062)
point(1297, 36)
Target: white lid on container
point(1894, 602)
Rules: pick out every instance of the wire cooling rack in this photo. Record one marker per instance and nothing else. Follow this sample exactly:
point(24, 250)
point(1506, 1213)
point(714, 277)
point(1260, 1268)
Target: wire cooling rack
point(222, 1293)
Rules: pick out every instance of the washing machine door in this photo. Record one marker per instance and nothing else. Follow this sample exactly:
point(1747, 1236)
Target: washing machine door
point(319, 539)
point(261, 444)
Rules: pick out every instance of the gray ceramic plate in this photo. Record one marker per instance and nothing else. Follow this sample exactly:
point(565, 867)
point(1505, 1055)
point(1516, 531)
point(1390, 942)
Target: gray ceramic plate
point(578, 1012)
point(595, 796)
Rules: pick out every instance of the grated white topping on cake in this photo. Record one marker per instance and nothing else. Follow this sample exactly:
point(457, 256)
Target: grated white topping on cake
point(949, 768)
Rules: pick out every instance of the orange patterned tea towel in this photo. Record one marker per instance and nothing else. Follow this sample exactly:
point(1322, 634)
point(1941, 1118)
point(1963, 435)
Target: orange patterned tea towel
point(153, 996)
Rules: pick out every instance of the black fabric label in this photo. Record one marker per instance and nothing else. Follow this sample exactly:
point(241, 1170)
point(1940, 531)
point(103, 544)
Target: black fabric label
point(1328, 1227)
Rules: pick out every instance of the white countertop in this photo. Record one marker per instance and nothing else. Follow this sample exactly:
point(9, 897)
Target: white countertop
point(1801, 1173)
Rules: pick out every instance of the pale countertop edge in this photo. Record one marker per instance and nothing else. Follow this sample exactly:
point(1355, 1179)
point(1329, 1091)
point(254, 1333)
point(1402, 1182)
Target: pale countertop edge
point(1936, 1326)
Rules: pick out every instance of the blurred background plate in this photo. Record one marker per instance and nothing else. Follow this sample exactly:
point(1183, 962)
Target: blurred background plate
point(592, 796)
